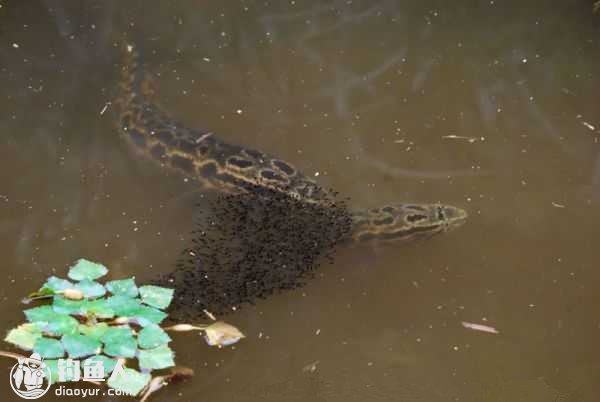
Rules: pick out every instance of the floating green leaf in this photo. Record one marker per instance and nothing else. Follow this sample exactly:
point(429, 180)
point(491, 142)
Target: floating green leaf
point(145, 315)
point(107, 362)
point(156, 296)
point(152, 336)
point(119, 341)
point(61, 325)
point(43, 292)
point(24, 336)
point(125, 287)
point(99, 308)
point(42, 313)
point(90, 289)
point(129, 381)
point(125, 347)
point(78, 345)
point(157, 358)
point(48, 289)
point(46, 319)
point(57, 284)
point(62, 305)
point(84, 269)
point(113, 334)
point(49, 348)
point(123, 305)
point(95, 331)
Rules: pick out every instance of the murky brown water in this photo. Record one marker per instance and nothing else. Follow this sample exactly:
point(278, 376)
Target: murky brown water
point(366, 94)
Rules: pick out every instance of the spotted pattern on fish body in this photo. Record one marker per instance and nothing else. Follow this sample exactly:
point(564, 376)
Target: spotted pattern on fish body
point(217, 164)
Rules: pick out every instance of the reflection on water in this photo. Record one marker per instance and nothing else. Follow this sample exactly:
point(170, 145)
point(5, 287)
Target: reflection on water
point(491, 107)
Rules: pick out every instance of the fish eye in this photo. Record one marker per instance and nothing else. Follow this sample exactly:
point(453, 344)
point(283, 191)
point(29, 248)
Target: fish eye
point(440, 214)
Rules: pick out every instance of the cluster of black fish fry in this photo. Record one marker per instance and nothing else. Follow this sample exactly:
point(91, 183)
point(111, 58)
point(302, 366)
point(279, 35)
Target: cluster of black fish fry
point(253, 244)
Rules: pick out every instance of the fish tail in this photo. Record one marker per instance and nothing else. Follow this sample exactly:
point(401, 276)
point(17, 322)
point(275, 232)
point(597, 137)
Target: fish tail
point(132, 74)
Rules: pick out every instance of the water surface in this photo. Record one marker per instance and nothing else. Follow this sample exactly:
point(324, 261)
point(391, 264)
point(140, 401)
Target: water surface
point(491, 106)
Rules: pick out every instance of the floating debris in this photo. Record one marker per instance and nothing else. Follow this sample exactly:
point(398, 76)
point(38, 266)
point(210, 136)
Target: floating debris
point(105, 108)
point(203, 137)
point(216, 334)
point(177, 374)
point(480, 327)
point(222, 334)
point(210, 315)
point(311, 367)
point(557, 205)
point(183, 328)
point(72, 294)
point(588, 125)
point(460, 137)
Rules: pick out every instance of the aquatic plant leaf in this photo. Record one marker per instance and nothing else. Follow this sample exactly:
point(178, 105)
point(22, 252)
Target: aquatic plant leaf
point(119, 341)
point(93, 331)
point(57, 284)
point(84, 269)
point(61, 325)
point(24, 336)
point(42, 292)
point(99, 308)
point(78, 345)
point(123, 305)
point(128, 380)
point(125, 347)
point(156, 296)
point(144, 315)
point(41, 313)
point(62, 305)
point(152, 336)
point(113, 334)
point(125, 287)
point(90, 289)
point(107, 362)
point(157, 358)
point(49, 348)
point(46, 319)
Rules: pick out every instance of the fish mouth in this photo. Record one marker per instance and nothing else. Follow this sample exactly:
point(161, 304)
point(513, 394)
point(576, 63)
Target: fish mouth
point(454, 217)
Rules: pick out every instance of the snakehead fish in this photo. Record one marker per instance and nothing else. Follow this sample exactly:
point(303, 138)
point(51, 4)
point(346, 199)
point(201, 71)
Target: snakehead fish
point(217, 164)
